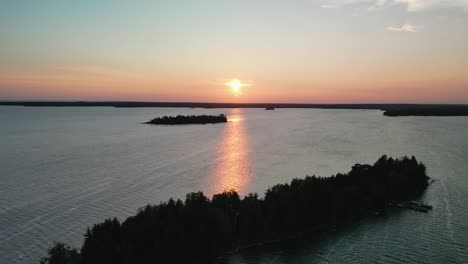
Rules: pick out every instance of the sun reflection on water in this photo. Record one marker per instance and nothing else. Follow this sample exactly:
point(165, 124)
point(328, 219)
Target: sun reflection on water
point(233, 171)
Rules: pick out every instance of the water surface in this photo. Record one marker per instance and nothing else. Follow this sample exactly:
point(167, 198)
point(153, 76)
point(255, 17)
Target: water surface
point(63, 169)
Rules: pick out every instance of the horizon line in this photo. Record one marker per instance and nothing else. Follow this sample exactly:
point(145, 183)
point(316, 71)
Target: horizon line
point(21, 102)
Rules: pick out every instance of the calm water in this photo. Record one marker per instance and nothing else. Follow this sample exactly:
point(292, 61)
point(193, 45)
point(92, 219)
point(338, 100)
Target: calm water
point(63, 169)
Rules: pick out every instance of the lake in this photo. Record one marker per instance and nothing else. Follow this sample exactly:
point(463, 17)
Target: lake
point(64, 169)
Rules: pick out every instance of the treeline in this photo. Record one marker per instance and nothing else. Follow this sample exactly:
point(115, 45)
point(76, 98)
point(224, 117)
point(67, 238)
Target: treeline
point(445, 110)
point(183, 120)
point(200, 229)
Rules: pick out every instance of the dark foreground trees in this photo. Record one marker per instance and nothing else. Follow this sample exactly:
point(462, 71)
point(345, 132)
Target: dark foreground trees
point(185, 120)
point(198, 229)
point(61, 253)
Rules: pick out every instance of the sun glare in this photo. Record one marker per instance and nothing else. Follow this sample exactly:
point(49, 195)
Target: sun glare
point(236, 86)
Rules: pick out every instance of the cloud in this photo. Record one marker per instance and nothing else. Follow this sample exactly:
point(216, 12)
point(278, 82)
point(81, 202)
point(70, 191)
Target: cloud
point(372, 4)
point(410, 5)
point(404, 28)
point(417, 5)
point(329, 6)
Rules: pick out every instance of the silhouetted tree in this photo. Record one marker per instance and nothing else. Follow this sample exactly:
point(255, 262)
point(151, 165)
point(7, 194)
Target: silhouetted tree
point(61, 253)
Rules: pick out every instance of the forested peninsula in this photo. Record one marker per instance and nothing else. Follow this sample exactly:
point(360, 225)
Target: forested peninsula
point(199, 229)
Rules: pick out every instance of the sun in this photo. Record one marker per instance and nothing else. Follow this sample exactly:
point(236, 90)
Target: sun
point(236, 86)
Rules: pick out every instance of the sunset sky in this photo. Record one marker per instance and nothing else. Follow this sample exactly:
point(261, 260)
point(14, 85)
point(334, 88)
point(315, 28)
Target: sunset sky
point(343, 51)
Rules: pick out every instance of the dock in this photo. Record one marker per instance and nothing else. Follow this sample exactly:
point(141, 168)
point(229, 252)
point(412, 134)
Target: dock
point(416, 206)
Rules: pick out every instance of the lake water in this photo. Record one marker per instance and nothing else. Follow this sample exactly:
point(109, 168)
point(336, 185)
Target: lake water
point(63, 169)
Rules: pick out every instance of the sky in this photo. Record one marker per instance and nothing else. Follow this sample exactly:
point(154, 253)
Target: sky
point(303, 51)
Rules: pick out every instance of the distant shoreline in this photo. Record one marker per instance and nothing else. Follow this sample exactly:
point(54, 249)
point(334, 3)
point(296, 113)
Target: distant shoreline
point(133, 104)
point(392, 110)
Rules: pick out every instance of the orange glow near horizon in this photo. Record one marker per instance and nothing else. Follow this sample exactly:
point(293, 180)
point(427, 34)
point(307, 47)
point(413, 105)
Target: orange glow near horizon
point(233, 172)
point(109, 84)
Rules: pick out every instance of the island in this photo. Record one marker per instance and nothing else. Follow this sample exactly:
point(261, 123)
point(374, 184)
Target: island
point(200, 229)
point(186, 120)
point(446, 110)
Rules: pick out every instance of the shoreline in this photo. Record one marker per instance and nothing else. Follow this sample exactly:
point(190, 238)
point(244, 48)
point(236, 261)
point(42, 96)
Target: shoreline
point(389, 110)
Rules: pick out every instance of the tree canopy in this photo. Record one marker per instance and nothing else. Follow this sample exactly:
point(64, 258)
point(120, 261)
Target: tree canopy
point(184, 120)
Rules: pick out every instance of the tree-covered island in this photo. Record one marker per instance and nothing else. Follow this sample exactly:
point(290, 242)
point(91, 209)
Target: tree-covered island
point(186, 120)
point(442, 110)
point(199, 229)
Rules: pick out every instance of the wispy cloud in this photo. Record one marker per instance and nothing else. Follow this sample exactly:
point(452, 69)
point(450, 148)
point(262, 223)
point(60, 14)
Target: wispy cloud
point(329, 6)
point(404, 28)
point(418, 5)
point(411, 5)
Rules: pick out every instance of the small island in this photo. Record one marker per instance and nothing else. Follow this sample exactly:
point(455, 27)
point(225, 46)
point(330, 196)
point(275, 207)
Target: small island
point(199, 229)
point(187, 120)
